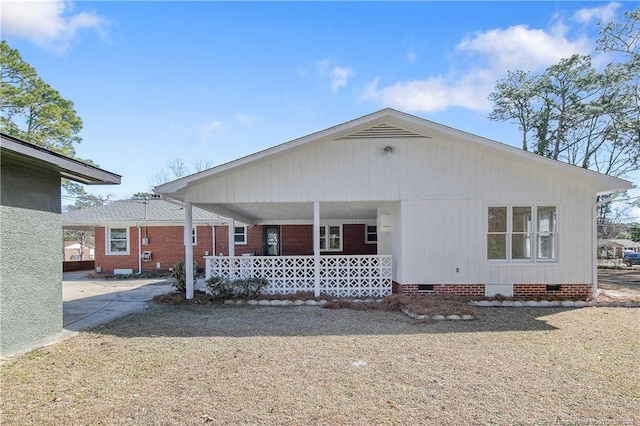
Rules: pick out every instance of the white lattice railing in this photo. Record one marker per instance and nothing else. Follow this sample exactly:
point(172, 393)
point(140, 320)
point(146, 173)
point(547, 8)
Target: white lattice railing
point(340, 276)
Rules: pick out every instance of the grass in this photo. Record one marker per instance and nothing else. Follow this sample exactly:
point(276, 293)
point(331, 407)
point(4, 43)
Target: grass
point(198, 363)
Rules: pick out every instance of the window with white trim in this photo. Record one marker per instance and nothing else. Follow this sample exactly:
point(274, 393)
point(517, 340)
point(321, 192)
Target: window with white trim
point(240, 235)
point(194, 236)
point(117, 240)
point(516, 233)
point(330, 237)
point(371, 234)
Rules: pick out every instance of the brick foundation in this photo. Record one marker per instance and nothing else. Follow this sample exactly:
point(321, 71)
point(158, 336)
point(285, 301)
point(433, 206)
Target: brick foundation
point(475, 290)
point(520, 291)
point(559, 291)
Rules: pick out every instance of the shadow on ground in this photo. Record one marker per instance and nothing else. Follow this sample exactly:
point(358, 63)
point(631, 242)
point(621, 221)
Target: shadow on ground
point(250, 321)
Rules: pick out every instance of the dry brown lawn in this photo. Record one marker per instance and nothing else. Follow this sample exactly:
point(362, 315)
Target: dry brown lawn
point(307, 365)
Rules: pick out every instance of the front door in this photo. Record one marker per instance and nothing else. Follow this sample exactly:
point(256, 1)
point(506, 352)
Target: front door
point(272, 240)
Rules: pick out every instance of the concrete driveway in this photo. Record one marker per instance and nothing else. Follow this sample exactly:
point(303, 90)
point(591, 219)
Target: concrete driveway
point(88, 303)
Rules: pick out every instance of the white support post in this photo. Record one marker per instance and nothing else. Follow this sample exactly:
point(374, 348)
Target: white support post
point(188, 249)
point(316, 248)
point(232, 238)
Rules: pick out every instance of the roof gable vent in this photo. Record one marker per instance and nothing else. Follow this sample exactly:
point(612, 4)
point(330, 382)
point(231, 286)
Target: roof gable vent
point(383, 131)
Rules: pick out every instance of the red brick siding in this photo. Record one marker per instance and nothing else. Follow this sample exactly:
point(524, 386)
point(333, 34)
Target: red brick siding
point(567, 291)
point(475, 290)
point(296, 240)
point(354, 240)
point(165, 244)
point(253, 246)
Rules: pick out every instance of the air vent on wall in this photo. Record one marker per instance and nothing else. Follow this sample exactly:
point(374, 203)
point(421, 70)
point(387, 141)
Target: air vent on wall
point(384, 130)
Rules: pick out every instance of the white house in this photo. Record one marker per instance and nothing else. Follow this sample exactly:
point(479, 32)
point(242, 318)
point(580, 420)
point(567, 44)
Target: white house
point(453, 212)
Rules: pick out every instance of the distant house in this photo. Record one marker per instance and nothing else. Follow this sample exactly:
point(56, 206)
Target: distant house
point(616, 248)
point(453, 212)
point(74, 250)
point(31, 231)
point(148, 235)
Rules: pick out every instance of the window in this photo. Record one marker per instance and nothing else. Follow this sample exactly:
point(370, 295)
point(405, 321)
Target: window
point(117, 241)
point(514, 235)
point(371, 234)
point(240, 235)
point(330, 237)
point(194, 236)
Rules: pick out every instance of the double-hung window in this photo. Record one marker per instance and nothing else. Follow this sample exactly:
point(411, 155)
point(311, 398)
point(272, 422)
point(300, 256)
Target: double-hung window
point(522, 233)
point(330, 237)
point(117, 241)
point(240, 235)
point(371, 234)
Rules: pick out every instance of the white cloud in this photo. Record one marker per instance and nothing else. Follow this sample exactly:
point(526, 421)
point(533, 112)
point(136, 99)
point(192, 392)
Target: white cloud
point(602, 14)
point(247, 119)
point(479, 61)
point(339, 77)
point(208, 129)
point(50, 24)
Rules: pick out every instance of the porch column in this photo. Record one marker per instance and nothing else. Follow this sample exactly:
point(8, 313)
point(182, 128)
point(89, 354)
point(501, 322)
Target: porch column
point(232, 238)
point(316, 248)
point(188, 249)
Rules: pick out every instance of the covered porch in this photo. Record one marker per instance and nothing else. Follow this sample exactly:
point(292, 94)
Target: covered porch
point(325, 270)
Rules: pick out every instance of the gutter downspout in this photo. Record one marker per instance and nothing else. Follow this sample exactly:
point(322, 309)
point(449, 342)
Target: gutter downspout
point(594, 242)
point(139, 249)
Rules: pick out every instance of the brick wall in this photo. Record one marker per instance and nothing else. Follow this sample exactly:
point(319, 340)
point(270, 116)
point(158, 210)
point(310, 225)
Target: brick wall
point(253, 246)
point(165, 243)
point(561, 291)
point(475, 290)
point(296, 240)
point(520, 291)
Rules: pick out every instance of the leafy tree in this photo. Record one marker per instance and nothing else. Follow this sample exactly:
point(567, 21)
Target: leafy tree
point(32, 110)
point(573, 113)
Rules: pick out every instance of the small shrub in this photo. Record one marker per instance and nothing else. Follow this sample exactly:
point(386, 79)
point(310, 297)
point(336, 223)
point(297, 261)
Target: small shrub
point(246, 288)
point(179, 275)
point(250, 288)
point(220, 287)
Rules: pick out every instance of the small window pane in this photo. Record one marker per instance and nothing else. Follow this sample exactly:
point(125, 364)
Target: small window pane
point(372, 234)
point(118, 246)
point(334, 237)
point(497, 219)
point(118, 233)
point(521, 219)
point(497, 246)
point(546, 246)
point(521, 246)
point(546, 219)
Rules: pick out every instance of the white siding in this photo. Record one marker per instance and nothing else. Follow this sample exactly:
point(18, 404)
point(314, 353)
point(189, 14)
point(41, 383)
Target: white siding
point(438, 193)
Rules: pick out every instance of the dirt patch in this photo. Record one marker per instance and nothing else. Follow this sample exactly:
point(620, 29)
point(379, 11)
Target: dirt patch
point(619, 284)
point(191, 364)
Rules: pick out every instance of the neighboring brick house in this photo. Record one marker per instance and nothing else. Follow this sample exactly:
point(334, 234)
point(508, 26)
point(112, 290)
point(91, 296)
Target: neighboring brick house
point(147, 235)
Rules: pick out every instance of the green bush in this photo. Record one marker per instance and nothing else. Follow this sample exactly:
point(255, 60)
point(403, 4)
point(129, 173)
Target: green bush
point(224, 288)
point(179, 275)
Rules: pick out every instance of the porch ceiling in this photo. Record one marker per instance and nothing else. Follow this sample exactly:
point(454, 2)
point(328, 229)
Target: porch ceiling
point(263, 213)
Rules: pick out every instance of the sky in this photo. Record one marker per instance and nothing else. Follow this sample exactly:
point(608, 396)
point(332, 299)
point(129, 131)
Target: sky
point(208, 82)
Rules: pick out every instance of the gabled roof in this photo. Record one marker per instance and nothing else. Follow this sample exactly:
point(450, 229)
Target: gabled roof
point(68, 167)
point(136, 212)
point(390, 123)
point(618, 242)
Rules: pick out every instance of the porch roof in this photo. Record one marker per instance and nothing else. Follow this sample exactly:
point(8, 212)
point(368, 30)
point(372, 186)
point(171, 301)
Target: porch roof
point(295, 213)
